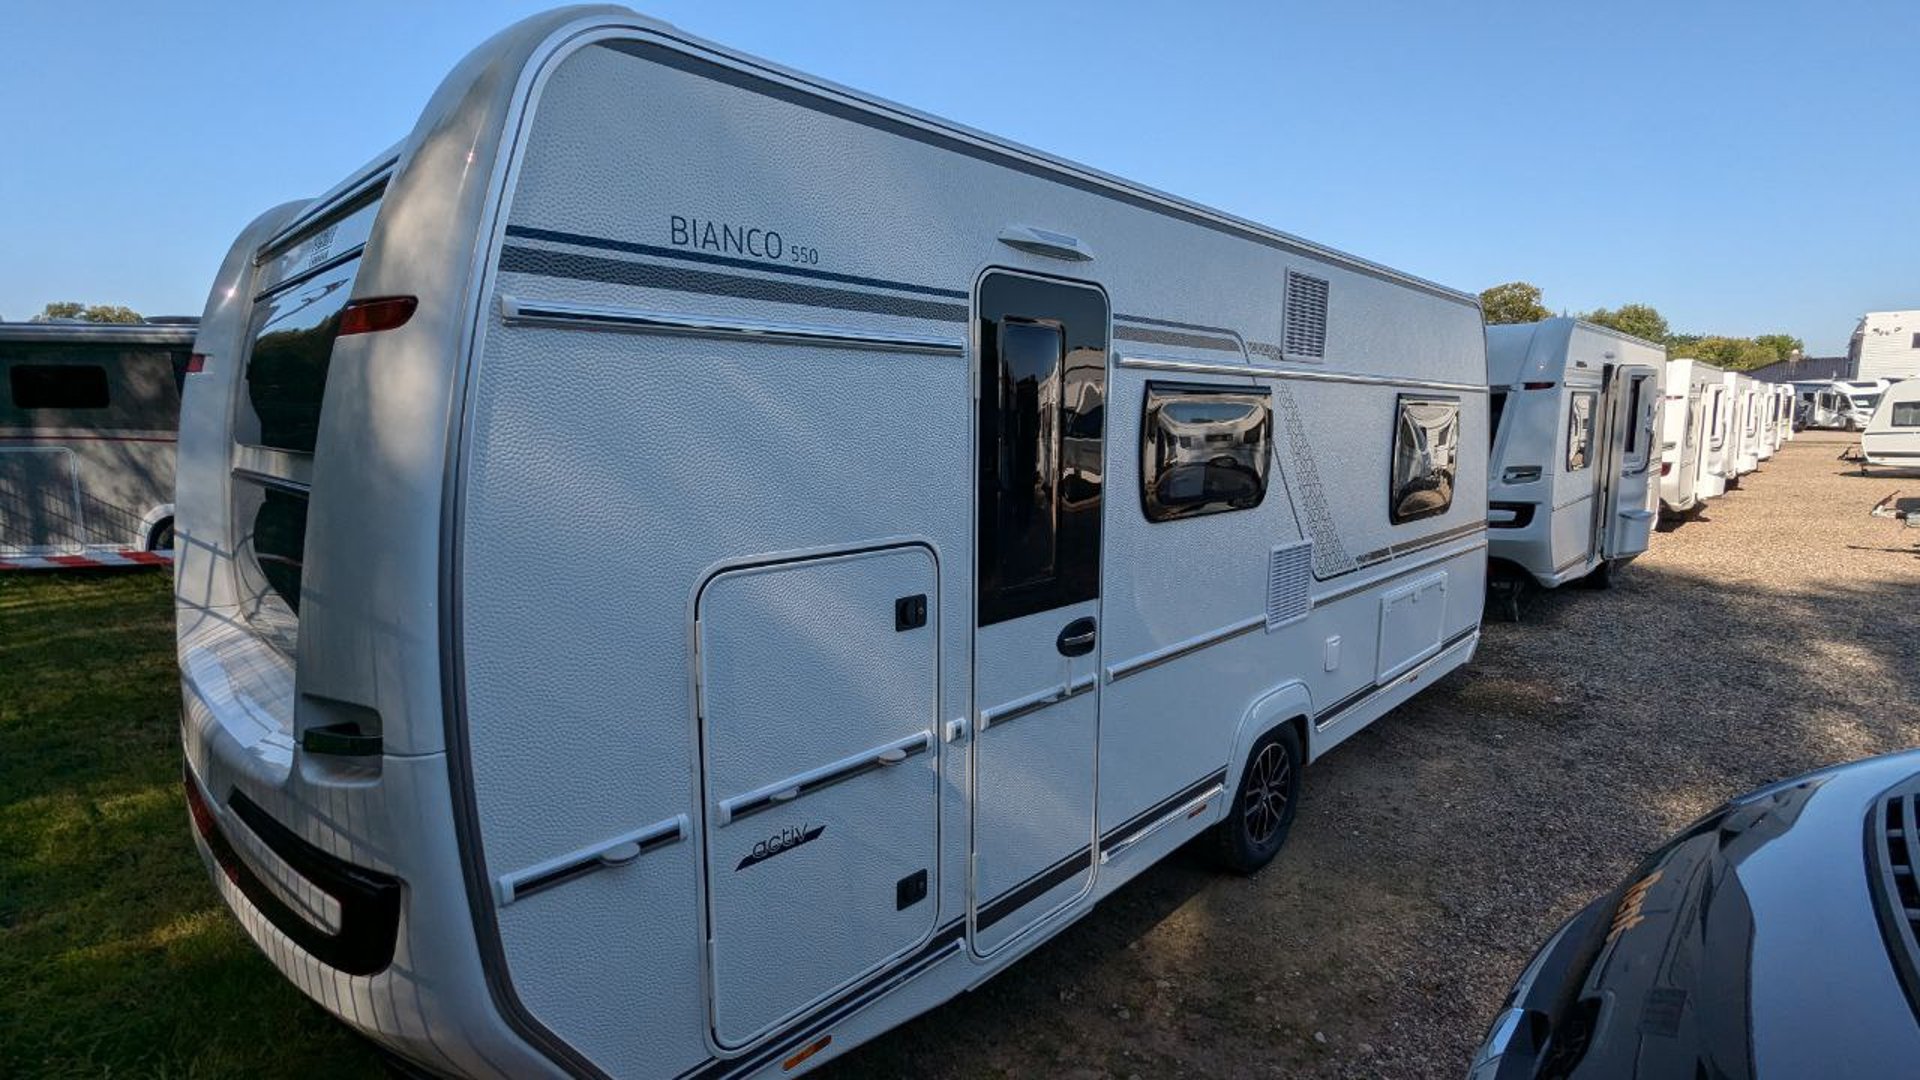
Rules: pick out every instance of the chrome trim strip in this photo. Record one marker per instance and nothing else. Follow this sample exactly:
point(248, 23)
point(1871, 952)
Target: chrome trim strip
point(824, 776)
point(519, 312)
point(618, 851)
point(345, 197)
point(1147, 660)
point(1181, 812)
point(1398, 571)
point(1194, 367)
point(1032, 703)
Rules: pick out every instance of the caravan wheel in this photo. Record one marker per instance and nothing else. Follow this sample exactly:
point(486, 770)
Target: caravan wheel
point(1262, 812)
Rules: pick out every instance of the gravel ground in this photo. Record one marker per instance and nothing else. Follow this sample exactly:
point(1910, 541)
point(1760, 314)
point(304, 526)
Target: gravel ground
point(1776, 632)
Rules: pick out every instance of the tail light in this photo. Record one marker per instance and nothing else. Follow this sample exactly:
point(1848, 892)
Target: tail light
point(1666, 467)
point(1536, 386)
point(196, 363)
point(376, 313)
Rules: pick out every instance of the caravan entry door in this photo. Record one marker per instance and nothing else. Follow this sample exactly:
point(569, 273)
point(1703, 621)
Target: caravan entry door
point(1040, 434)
point(1633, 413)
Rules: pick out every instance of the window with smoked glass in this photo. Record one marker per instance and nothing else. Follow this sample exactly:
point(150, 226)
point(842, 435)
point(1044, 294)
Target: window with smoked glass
point(1580, 410)
point(1204, 449)
point(1426, 449)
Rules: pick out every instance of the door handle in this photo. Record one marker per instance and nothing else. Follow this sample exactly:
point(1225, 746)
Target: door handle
point(1077, 637)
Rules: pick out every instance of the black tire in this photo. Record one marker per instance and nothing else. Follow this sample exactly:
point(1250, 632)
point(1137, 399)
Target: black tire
point(1601, 577)
point(1263, 806)
point(161, 539)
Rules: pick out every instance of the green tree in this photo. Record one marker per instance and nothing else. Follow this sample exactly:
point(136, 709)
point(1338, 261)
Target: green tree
point(1731, 353)
point(99, 313)
point(1513, 302)
point(1640, 320)
point(1783, 345)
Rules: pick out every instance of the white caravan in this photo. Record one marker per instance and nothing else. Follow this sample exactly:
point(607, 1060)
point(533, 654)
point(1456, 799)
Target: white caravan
point(1787, 430)
point(1571, 492)
point(1717, 448)
point(1892, 438)
point(1885, 345)
point(687, 566)
point(88, 413)
point(1685, 424)
point(1743, 434)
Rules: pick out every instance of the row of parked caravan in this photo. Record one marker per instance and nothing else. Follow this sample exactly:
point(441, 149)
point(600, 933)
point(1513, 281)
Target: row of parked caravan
point(1597, 434)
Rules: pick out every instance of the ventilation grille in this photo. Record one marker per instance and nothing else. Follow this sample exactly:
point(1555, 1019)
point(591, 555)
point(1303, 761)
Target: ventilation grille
point(1306, 315)
point(1893, 859)
point(1289, 583)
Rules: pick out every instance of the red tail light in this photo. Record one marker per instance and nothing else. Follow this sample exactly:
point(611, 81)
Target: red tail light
point(375, 314)
point(1536, 386)
point(1666, 467)
point(196, 363)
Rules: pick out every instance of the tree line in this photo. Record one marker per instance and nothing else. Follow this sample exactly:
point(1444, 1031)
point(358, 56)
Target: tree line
point(1519, 302)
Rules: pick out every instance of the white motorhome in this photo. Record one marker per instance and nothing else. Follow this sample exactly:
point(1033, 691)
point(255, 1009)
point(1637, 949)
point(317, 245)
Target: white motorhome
point(1686, 422)
point(1821, 405)
point(1862, 397)
point(1885, 345)
point(1892, 438)
point(88, 413)
point(1571, 491)
point(686, 566)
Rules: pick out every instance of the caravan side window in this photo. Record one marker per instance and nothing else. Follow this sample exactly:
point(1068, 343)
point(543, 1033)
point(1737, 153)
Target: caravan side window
point(58, 386)
point(1204, 449)
point(1426, 442)
point(1580, 430)
point(1906, 414)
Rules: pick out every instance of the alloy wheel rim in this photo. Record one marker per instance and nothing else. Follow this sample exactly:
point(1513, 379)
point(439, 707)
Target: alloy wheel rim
point(1264, 805)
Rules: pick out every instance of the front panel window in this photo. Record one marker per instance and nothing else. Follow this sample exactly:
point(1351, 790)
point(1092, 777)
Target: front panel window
point(1580, 408)
point(1203, 449)
point(1906, 414)
point(1426, 443)
point(58, 386)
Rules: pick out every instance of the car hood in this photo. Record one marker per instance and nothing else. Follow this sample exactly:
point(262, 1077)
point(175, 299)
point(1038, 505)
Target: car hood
point(1749, 945)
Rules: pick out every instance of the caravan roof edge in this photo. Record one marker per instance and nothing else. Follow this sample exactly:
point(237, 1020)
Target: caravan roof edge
point(1114, 186)
point(99, 333)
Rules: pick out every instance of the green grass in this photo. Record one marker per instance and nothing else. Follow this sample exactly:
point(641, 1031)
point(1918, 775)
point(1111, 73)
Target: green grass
point(117, 957)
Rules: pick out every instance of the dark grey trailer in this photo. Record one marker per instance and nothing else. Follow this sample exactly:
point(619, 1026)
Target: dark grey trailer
point(89, 414)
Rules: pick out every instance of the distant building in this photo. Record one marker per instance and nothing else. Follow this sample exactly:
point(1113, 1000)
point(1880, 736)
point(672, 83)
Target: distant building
point(1886, 345)
point(1805, 369)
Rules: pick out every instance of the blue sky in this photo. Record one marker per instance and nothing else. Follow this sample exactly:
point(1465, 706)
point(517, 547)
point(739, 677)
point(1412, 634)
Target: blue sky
point(1745, 167)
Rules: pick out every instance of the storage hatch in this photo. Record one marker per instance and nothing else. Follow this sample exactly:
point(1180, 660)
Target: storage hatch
point(818, 710)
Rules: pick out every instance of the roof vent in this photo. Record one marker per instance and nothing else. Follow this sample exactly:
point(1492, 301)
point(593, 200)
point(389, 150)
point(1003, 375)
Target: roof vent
point(1306, 315)
point(1289, 582)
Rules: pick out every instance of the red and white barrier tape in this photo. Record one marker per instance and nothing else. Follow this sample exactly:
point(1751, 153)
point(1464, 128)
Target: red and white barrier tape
point(86, 561)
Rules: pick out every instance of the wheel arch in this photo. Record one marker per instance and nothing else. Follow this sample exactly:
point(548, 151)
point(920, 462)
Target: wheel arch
point(1286, 705)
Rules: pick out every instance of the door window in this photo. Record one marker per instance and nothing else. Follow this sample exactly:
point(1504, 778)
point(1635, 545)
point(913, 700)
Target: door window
point(1639, 423)
point(1041, 438)
point(1580, 430)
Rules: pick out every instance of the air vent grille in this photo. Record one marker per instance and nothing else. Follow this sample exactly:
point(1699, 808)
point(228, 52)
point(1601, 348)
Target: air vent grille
point(1306, 315)
point(1289, 583)
point(1893, 859)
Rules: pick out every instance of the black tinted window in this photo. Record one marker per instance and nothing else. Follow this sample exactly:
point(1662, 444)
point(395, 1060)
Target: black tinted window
point(287, 371)
point(1426, 444)
point(1203, 449)
point(1497, 407)
point(58, 386)
point(1906, 414)
point(1042, 418)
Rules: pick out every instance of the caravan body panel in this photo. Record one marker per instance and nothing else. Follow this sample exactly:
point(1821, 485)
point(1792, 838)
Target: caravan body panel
point(1572, 474)
point(1892, 437)
point(839, 672)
